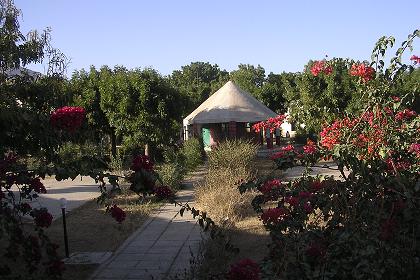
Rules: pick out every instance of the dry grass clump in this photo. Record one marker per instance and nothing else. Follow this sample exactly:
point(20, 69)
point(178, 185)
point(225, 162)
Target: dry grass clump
point(232, 154)
point(218, 195)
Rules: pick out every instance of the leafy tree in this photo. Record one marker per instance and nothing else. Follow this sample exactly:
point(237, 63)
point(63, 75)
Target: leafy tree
point(250, 79)
point(85, 87)
point(273, 92)
point(196, 82)
point(316, 99)
point(141, 105)
point(25, 103)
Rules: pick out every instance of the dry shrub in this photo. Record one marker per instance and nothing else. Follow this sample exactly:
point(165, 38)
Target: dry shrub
point(218, 195)
point(232, 154)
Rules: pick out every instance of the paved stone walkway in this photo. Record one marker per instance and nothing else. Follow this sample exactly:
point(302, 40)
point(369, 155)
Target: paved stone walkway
point(161, 248)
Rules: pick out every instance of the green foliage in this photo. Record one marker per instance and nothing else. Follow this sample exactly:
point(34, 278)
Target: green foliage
point(196, 82)
point(316, 100)
point(249, 78)
point(171, 174)
point(192, 151)
point(365, 224)
point(232, 153)
point(86, 157)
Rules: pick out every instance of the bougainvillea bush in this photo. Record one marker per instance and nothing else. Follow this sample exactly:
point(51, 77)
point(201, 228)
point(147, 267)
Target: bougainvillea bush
point(365, 224)
point(26, 252)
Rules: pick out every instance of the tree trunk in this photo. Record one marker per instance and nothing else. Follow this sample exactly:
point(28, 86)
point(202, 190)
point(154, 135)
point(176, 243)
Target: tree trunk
point(146, 150)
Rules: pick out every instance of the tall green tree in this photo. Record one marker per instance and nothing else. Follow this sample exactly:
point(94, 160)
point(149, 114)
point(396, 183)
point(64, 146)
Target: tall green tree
point(196, 82)
point(250, 78)
point(314, 100)
point(26, 102)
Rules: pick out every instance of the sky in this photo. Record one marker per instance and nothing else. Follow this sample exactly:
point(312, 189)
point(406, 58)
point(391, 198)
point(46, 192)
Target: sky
point(278, 35)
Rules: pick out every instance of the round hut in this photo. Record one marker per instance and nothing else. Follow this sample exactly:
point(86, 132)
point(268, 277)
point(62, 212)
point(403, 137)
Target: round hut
point(227, 114)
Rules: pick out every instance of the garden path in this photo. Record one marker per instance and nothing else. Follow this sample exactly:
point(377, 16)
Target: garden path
point(76, 192)
point(162, 247)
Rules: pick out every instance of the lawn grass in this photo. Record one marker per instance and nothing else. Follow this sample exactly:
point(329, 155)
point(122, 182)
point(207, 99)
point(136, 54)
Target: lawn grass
point(90, 229)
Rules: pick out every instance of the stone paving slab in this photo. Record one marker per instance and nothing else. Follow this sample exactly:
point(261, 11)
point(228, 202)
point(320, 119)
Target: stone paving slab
point(162, 247)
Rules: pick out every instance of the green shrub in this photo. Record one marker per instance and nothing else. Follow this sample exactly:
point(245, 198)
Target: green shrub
point(171, 174)
point(84, 157)
point(193, 153)
point(232, 154)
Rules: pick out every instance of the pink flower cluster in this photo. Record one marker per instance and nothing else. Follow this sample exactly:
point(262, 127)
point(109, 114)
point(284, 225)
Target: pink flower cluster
point(142, 162)
point(415, 148)
point(415, 59)
point(271, 123)
point(37, 185)
point(310, 148)
point(163, 192)
point(245, 269)
point(117, 213)
point(269, 185)
point(363, 71)
point(68, 118)
point(321, 67)
point(405, 115)
point(285, 151)
point(273, 216)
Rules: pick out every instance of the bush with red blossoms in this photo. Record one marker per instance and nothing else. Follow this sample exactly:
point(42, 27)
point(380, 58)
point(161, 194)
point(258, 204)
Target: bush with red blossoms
point(42, 217)
point(142, 162)
point(163, 192)
point(363, 71)
point(272, 124)
point(68, 118)
point(245, 269)
point(321, 66)
point(117, 213)
point(363, 222)
point(37, 185)
point(415, 59)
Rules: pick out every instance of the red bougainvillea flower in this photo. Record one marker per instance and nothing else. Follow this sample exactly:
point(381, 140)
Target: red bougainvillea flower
point(400, 164)
point(277, 155)
point(117, 213)
point(163, 192)
point(415, 148)
point(363, 71)
point(321, 67)
point(142, 162)
point(268, 186)
point(42, 217)
point(405, 115)
point(305, 195)
point(273, 216)
point(310, 148)
point(37, 186)
point(271, 123)
point(415, 59)
point(396, 98)
point(245, 269)
point(288, 148)
point(68, 118)
point(259, 127)
point(317, 185)
point(292, 200)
